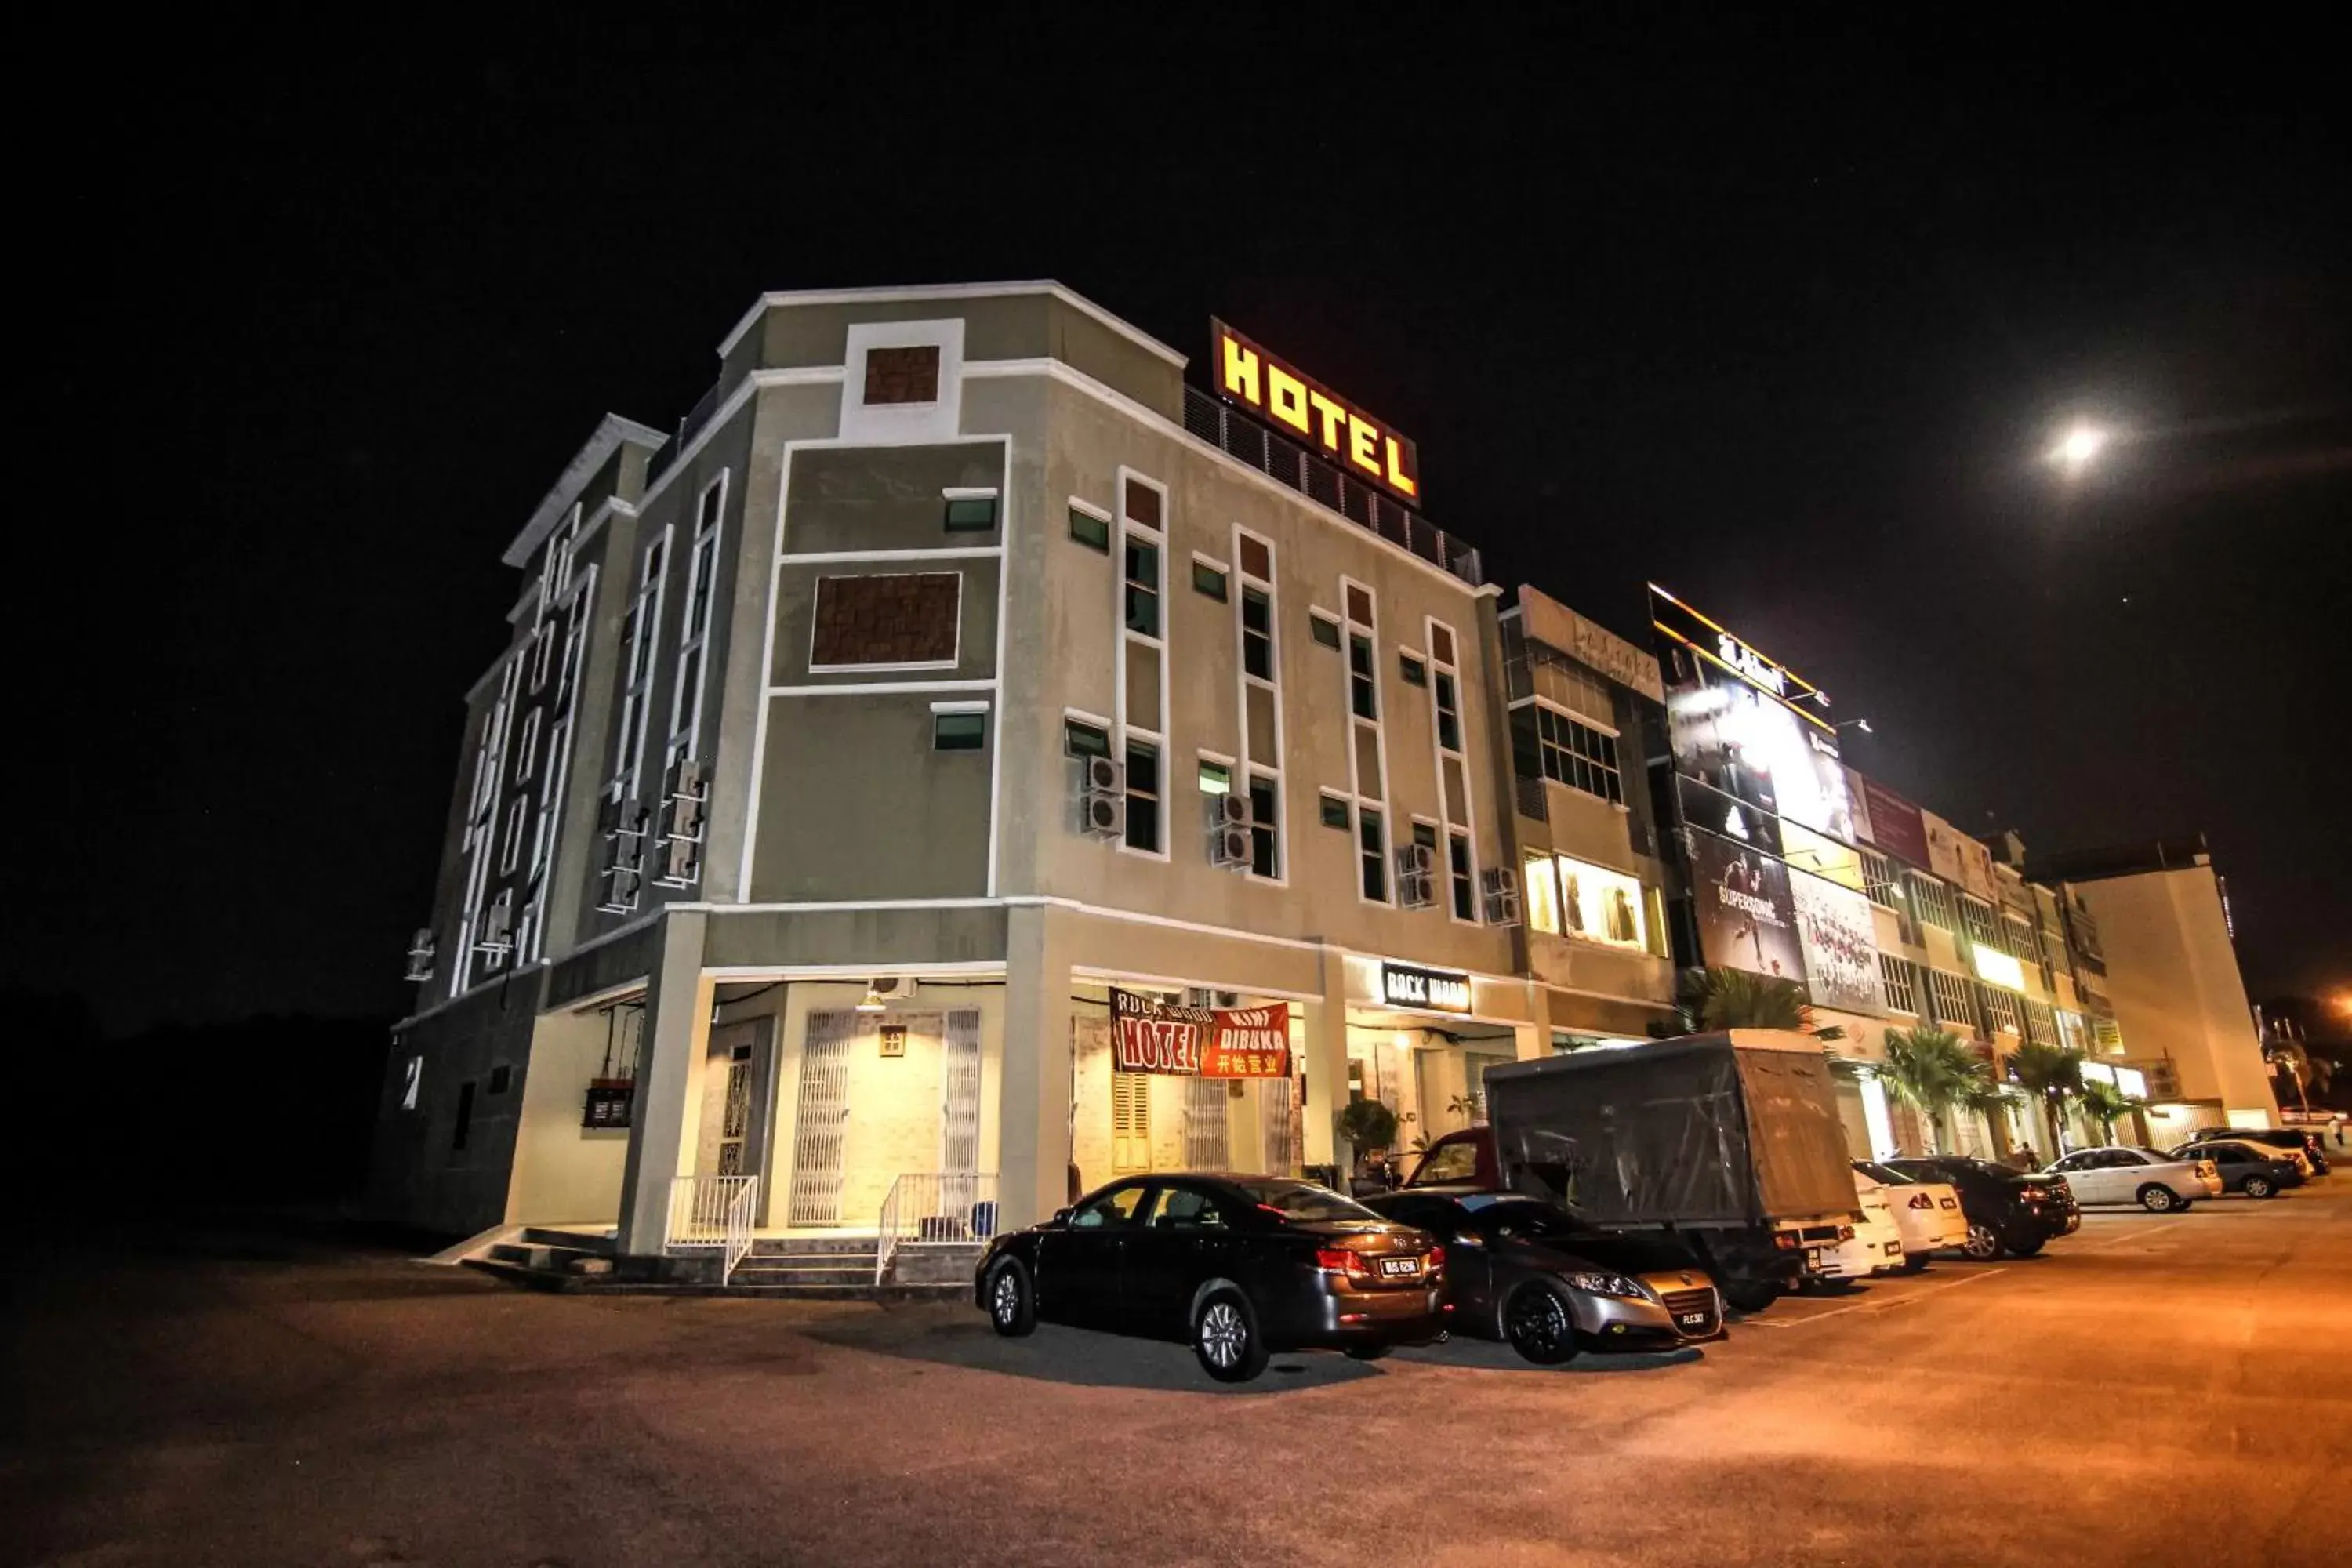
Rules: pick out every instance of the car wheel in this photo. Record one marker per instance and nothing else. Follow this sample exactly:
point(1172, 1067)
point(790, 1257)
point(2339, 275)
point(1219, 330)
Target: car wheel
point(1369, 1352)
point(2259, 1187)
point(1225, 1338)
point(1748, 1295)
point(2029, 1249)
point(2157, 1198)
point(1913, 1262)
point(1012, 1301)
point(1536, 1322)
point(1983, 1243)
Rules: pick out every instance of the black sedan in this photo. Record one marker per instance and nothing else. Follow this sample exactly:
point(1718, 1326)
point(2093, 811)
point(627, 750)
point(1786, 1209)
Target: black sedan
point(2245, 1169)
point(1239, 1266)
point(2287, 1139)
point(2007, 1212)
point(1534, 1275)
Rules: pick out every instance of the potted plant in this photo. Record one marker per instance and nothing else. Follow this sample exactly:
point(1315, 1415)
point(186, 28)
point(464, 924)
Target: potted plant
point(1370, 1128)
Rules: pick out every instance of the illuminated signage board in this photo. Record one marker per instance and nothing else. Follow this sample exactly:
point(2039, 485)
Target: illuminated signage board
point(1361, 444)
point(1682, 625)
point(1999, 967)
point(1436, 990)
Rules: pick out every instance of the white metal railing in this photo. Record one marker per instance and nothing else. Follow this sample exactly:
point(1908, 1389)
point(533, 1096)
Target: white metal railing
point(713, 1213)
point(935, 1205)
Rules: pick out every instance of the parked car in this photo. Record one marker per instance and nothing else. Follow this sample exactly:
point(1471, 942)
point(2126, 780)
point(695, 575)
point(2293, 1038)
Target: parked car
point(1241, 1266)
point(2311, 1145)
point(2156, 1182)
point(1548, 1284)
point(1876, 1245)
point(2007, 1211)
point(2294, 1157)
point(1928, 1212)
point(2256, 1170)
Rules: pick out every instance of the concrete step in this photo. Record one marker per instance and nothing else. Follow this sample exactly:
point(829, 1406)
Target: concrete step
point(814, 1245)
point(594, 1242)
point(760, 1271)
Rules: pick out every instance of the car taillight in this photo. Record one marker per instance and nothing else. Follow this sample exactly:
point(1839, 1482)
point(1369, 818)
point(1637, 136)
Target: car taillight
point(1845, 1233)
point(1784, 1241)
point(1436, 1259)
point(1342, 1260)
point(1922, 1201)
point(2035, 1194)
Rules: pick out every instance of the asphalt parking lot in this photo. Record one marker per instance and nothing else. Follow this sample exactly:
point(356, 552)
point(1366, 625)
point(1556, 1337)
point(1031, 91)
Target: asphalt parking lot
point(2145, 1389)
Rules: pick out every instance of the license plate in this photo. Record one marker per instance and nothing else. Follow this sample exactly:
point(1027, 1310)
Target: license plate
point(1394, 1265)
point(1813, 1258)
point(1692, 1319)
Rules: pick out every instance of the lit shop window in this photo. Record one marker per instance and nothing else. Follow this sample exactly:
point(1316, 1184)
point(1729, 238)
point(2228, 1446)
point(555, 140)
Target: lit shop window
point(1599, 904)
point(1540, 887)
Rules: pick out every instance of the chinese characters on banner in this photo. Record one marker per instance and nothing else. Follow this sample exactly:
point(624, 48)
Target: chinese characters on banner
point(1148, 1035)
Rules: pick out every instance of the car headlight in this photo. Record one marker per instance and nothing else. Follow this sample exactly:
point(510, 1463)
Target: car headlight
point(1608, 1285)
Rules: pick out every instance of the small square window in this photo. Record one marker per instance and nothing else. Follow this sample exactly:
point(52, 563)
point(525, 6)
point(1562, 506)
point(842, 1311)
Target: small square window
point(1335, 812)
point(1209, 580)
point(1216, 778)
point(500, 1076)
point(1080, 740)
point(1326, 631)
point(1415, 673)
point(959, 731)
point(909, 374)
point(971, 514)
point(1090, 531)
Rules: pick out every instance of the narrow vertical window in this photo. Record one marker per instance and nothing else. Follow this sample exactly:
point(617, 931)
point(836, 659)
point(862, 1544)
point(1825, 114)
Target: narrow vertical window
point(1363, 683)
point(1266, 825)
point(1465, 882)
point(1372, 851)
point(1257, 634)
point(1142, 795)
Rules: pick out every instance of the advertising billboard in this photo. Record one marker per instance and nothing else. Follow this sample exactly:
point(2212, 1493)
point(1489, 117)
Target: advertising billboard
point(1745, 920)
point(1733, 818)
point(1897, 826)
point(1840, 944)
point(1152, 1035)
point(1733, 737)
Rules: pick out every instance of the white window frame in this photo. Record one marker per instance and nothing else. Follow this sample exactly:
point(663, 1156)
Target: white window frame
point(701, 577)
point(1126, 732)
point(1239, 583)
point(636, 696)
point(1349, 629)
point(527, 746)
point(1898, 983)
point(1433, 669)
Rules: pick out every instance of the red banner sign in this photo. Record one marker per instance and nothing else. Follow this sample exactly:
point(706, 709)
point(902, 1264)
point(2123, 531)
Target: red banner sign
point(1199, 1042)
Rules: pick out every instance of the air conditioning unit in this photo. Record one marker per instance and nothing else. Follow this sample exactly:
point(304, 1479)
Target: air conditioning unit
point(677, 862)
point(1415, 883)
point(421, 950)
point(621, 877)
point(1229, 810)
point(1499, 890)
point(1102, 798)
point(495, 937)
point(687, 789)
point(1230, 848)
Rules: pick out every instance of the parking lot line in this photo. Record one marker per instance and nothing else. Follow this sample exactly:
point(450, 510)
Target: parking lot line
point(1863, 1306)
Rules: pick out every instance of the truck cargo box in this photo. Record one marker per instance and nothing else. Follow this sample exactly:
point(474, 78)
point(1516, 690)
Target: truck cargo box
point(1737, 1128)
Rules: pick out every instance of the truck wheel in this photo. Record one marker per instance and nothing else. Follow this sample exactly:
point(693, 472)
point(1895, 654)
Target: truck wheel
point(2259, 1187)
point(1536, 1322)
point(2158, 1198)
point(1749, 1295)
point(1983, 1243)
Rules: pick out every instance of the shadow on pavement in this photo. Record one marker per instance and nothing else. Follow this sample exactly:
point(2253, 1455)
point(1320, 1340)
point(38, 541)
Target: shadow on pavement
point(1493, 1355)
point(959, 1336)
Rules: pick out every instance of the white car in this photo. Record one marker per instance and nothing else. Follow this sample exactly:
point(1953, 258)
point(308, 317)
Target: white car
point(1928, 1213)
point(2156, 1182)
point(1876, 1245)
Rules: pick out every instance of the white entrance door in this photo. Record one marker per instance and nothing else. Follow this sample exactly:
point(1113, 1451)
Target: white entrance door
point(821, 1126)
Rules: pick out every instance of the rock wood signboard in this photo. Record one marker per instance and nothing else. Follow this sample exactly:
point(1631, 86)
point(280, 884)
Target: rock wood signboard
point(1148, 1035)
point(1437, 990)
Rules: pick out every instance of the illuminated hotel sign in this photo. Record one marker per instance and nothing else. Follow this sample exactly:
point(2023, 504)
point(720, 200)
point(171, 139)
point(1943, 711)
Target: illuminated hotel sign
point(1367, 448)
point(1436, 990)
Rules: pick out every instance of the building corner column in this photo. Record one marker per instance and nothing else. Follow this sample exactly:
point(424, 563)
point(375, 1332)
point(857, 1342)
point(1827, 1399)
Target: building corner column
point(1324, 1053)
point(1034, 1132)
point(669, 1083)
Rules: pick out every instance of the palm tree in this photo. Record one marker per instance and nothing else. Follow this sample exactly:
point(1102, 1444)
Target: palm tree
point(1720, 998)
point(2052, 1075)
point(2107, 1105)
point(1935, 1073)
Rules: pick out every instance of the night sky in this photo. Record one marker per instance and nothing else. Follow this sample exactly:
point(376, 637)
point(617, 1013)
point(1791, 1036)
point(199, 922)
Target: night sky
point(1781, 316)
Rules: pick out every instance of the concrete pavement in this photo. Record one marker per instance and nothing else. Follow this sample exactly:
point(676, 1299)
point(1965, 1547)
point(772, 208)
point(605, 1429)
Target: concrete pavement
point(2148, 1388)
